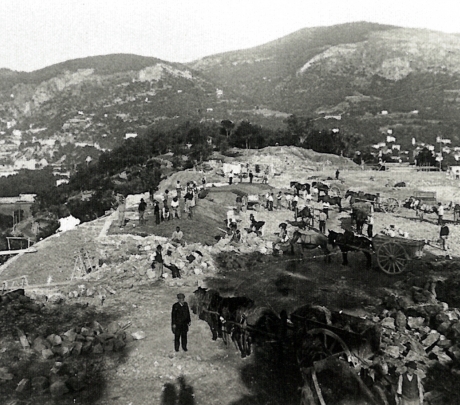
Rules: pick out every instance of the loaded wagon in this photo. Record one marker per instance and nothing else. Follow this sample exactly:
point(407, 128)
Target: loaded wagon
point(426, 197)
point(335, 344)
point(393, 253)
point(381, 203)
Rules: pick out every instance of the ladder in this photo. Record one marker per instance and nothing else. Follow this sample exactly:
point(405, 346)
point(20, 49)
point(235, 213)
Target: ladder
point(82, 265)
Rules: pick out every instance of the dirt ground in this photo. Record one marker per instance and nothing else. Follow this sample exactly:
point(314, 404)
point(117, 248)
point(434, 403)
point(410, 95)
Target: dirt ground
point(149, 371)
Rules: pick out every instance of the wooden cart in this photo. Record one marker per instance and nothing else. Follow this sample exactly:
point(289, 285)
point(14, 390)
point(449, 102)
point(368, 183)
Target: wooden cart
point(393, 253)
point(336, 342)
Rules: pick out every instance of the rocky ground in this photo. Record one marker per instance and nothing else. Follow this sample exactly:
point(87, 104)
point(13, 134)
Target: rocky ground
point(125, 309)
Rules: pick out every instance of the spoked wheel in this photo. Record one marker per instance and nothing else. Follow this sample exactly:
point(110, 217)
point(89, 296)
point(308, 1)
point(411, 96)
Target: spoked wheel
point(392, 258)
point(320, 344)
point(334, 191)
point(391, 205)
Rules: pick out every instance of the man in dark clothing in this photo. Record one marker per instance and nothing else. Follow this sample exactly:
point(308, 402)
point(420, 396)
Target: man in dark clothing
point(251, 176)
point(180, 321)
point(337, 173)
point(159, 261)
point(444, 235)
point(156, 211)
point(141, 210)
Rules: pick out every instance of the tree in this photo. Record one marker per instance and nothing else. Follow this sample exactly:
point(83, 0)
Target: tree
point(426, 158)
point(298, 130)
point(245, 134)
point(227, 127)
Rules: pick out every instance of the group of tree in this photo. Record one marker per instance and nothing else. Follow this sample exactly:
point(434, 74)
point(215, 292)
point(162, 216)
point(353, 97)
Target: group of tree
point(92, 188)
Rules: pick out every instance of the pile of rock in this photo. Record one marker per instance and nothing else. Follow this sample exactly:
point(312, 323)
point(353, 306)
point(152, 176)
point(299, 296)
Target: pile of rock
point(417, 327)
point(59, 353)
point(132, 256)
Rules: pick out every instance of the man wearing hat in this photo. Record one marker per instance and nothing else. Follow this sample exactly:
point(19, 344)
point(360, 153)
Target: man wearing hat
point(180, 321)
point(410, 390)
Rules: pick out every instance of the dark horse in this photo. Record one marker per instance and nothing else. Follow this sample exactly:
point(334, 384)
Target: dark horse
point(349, 242)
point(359, 215)
point(359, 196)
point(305, 213)
point(331, 200)
point(223, 315)
point(321, 187)
point(311, 240)
point(300, 187)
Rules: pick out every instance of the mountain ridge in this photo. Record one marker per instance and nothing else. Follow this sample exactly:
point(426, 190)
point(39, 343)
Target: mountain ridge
point(351, 71)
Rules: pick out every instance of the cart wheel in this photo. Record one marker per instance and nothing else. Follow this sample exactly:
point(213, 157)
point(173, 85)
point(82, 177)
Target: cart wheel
point(391, 258)
point(334, 191)
point(321, 343)
point(391, 205)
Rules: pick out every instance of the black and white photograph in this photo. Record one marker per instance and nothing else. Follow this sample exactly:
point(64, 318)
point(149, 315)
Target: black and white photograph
point(229, 202)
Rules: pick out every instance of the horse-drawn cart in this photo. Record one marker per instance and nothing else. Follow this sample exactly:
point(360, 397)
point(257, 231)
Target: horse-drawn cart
point(327, 189)
point(384, 204)
point(393, 253)
point(335, 343)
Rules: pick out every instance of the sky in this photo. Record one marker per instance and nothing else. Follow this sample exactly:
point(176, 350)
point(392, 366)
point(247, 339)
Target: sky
point(38, 33)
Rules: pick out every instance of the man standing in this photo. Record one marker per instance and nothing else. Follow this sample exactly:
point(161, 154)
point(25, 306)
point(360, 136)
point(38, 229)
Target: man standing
point(251, 176)
point(337, 173)
point(189, 203)
point(121, 210)
point(444, 235)
point(279, 197)
point(141, 210)
point(156, 211)
point(322, 222)
point(370, 226)
point(440, 213)
point(456, 212)
point(326, 207)
point(159, 260)
point(295, 202)
point(270, 202)
point(180, 322)
point(410, 390)
point(175, 208)
point(288, 201)
point(178, 189)
point(230, 177)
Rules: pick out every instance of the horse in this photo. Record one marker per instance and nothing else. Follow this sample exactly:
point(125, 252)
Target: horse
point(349, 242)
point(359, 196)
point(360, 217)
point(331, 200)
point(305, 212)
point(311, 240)
point(299, 187)
point(320, 187)
point(206, 305)
point(223, 314)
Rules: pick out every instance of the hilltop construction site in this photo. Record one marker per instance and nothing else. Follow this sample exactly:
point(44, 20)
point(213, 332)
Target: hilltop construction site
point(85, 319)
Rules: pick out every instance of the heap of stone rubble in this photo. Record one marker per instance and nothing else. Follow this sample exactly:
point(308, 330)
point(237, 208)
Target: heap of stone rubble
point(58, 353)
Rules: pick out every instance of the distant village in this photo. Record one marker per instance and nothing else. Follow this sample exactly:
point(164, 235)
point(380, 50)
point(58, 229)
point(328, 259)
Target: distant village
point(19, 149)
